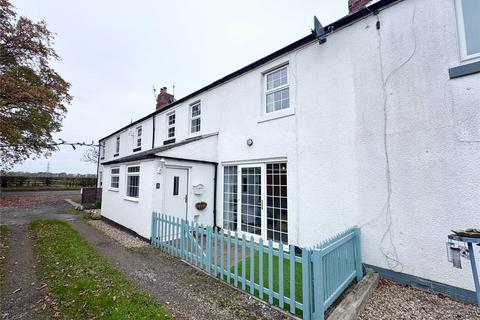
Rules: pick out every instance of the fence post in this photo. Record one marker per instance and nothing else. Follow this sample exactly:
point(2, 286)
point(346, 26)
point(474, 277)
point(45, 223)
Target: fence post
point(358, 255)
point(209, 249)
point(152, 241)
point(181, 239)
point(318, 284)
point(306, 284)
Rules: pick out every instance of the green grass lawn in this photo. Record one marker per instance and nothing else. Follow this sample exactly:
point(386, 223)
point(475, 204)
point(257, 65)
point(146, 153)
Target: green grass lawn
point(286, 277)
point(83, 283)
point(3, 253)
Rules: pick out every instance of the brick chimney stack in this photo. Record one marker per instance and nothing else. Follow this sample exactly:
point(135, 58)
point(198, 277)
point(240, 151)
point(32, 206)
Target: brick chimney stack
point(355, 5)
point(164, 98)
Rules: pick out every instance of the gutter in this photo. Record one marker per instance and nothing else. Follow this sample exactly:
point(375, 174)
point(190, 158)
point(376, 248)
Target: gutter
point(331, 28)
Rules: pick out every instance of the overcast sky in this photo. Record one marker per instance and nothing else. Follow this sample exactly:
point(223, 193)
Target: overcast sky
point(113, 52)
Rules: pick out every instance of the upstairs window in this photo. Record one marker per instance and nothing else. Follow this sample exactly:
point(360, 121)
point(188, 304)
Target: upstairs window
point(117, 145)
point(133, 181)
point(277, 94)
point(138, 136)
point(171, 125)
point(195, 112)
point(115, 178)
point(468, 17)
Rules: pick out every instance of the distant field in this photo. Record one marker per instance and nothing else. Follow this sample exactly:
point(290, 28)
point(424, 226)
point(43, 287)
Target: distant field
point(45, 183)
point(39, 188)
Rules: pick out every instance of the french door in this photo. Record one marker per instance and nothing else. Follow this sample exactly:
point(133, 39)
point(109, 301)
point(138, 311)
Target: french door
point(250, 199)
point(255, 200)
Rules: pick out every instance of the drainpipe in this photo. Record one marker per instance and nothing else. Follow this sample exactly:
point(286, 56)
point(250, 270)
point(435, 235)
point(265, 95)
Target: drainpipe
point(215, 198)
point(98, 169)
point(153, 132)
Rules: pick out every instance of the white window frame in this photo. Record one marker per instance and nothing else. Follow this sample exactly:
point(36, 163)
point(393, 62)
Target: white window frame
point(117, 145)
point(273, 90)
point(263, 165)
point(461, 34)
point(199, 116)
point(169, 126)
point(129, 174)
point(117, 175)
point(138, 137)
point(290, 111)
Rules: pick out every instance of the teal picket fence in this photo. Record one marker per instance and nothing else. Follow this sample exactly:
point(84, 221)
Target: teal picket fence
point(304, 282)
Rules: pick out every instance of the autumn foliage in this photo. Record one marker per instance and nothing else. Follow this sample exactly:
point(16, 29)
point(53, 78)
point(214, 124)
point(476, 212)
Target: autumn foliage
point(33, 96)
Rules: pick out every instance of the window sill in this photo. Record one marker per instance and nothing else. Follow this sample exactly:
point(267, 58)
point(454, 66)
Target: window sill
point(169, 141)
point(464, 70)
point(276, 115)
point(131, 199)
point(194, 135)
point(137, 149)
point(113, 189)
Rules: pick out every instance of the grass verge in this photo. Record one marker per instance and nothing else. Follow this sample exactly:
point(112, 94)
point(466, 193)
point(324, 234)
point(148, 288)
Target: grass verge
point(82, 282)
point(3, 253)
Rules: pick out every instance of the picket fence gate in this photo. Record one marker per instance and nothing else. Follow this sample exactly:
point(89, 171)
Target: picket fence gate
point(304, 282)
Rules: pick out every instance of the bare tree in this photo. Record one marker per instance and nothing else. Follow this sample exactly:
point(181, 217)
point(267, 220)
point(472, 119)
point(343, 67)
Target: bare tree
point(90, 155)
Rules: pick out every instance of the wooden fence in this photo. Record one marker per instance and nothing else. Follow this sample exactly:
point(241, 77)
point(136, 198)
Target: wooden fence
point(91, 195)
point(305, 283)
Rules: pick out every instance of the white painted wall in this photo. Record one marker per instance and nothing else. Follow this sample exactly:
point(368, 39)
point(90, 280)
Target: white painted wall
point(334, 141)
point(136, 216)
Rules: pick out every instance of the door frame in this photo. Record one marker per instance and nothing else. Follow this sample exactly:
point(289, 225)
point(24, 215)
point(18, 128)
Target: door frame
point(187, 203)
point(263, 191)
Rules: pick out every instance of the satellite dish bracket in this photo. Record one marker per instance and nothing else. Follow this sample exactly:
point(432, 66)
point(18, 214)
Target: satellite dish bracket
point(319, 31)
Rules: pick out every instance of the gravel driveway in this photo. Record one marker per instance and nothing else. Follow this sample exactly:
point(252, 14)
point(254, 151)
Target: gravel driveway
point(394, 301)
point(186, 292)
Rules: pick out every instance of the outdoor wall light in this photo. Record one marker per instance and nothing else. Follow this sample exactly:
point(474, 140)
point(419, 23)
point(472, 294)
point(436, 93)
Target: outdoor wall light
point(162, 166)
point(249, 142)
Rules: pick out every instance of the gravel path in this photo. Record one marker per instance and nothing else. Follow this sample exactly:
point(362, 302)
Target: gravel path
point(23, 294)
point(186, 292)
point(183, 290)
point(123, 238)
point(394, 301)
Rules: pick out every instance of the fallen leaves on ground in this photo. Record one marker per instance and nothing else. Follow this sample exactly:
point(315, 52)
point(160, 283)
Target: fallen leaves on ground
point(28, 201)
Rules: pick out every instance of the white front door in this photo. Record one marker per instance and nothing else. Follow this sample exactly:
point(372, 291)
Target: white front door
point(176, 189)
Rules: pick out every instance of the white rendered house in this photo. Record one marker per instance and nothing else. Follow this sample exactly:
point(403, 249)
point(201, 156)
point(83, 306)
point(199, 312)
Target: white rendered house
point(377, 127)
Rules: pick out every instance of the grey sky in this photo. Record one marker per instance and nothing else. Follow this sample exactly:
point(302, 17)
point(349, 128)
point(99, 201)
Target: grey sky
point(114, 51)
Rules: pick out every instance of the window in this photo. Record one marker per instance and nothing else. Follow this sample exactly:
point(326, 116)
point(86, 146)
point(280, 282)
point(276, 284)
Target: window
point(100, 179)
point(230, 198)
point(171, 125)
point(251, 200)
point(277, 94)
point(176, 182)
point(277, 212)
point(115, 178)
point(195, 111)
point(139, 136)
point(117, 145)
point(133, 181)
point(468, 17)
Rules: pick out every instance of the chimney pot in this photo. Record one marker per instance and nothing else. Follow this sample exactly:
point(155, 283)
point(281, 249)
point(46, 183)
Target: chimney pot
point(355, 5)
point(164, 98)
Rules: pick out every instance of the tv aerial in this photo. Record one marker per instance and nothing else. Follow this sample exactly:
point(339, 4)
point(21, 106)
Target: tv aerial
point(319, 31)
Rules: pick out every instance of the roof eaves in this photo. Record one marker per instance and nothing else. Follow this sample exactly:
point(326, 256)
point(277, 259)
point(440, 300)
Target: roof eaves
point(342, 22)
